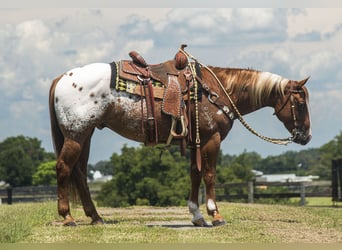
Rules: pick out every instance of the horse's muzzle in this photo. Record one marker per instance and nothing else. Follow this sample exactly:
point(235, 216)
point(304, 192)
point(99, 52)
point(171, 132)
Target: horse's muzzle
point(301, 137)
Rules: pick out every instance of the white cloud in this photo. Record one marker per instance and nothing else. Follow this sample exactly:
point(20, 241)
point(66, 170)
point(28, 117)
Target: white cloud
point(250, 19)
point(33, 35)
point(7, 77)
point(26, 110)
point(322, 61)
point(323, 21)
point(210, 27)
point(94, 52)
point(143, 46)
point(326, 110)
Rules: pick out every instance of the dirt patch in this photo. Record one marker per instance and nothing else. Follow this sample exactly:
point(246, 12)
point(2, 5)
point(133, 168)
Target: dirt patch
point(170, 217)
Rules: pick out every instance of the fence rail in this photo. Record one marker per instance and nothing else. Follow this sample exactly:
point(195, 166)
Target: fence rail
point(28, 194)
point(11, 195)
point(247, 191)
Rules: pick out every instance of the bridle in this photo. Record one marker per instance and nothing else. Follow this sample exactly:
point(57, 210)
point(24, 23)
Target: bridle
point(297, 132)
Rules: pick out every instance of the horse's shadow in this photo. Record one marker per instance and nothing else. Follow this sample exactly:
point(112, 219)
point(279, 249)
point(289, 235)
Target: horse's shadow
point(111, 222)
point(176, 226)
point(164, 224)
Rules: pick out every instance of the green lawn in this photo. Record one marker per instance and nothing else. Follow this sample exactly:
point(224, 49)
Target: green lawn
point(246, 223)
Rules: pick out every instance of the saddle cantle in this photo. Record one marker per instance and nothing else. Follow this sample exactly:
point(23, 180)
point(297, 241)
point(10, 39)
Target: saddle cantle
point(138, 59)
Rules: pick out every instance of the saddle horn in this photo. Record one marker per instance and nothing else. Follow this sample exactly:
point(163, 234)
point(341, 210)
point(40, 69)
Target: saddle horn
point(181, 59)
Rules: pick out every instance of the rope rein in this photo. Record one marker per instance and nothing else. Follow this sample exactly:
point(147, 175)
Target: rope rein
point(283, 141)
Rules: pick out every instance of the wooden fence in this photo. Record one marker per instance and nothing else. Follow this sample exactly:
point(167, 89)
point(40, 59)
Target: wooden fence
point(246, 191)
point(11, 195)
point(251, 191)
point(28, 194)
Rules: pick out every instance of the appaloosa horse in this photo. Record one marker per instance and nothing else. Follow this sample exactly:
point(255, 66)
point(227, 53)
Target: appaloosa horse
point(82, 99)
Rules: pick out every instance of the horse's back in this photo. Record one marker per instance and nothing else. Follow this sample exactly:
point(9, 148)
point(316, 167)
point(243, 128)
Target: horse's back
point(81, 96)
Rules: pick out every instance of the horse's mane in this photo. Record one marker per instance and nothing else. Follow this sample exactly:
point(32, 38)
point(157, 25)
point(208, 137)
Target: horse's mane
point(259, 84)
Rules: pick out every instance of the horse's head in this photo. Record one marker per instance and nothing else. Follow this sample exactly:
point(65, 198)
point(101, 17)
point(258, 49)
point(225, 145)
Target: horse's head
point(293, 110)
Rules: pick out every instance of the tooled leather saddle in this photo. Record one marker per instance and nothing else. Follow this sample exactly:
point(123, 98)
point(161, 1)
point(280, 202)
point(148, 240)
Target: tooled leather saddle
point(168, 81)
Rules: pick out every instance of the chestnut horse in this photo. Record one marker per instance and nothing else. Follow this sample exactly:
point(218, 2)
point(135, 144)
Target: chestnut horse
point(81, 100)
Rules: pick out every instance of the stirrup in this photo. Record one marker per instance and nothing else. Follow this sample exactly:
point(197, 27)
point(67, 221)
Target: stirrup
point(173, 133)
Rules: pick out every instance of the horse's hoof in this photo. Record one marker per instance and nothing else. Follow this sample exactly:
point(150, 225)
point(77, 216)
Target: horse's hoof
point(217, 223)
point(97, 222)
point(200, 223)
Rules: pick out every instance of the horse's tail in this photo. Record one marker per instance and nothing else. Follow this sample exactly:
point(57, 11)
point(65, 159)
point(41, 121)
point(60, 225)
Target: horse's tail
point(57, 135)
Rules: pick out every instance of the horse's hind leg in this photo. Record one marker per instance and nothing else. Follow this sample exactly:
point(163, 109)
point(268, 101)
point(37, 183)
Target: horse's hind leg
point(79, 176)
point(67, 158)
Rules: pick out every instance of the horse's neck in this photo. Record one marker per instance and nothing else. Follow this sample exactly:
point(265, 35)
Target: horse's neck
point(249, 89)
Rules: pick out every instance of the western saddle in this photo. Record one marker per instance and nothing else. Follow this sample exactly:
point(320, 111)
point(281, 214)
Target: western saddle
point(171, 82)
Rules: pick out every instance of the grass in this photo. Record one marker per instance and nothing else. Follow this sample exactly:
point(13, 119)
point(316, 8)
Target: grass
point(17, 221)
point(246, 223)
point(313, 201)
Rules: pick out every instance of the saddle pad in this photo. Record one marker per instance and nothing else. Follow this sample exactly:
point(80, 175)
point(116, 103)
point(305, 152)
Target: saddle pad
point(114, 74)
point(172, 98)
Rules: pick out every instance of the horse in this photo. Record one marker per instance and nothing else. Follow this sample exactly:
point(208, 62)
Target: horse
point(81, 100)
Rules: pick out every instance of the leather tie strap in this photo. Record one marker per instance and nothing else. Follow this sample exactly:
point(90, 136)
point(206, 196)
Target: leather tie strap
point(152, 128)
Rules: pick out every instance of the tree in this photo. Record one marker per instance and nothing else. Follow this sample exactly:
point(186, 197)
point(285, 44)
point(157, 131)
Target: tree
point(104, 167)
point(145, 177)
point(19, 159)
point(238, 168)
point(329, 151)
point(16, 167)
point(45, 174)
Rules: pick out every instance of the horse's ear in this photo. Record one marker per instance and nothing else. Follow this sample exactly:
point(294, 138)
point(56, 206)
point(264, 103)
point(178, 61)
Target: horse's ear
point(302, 82)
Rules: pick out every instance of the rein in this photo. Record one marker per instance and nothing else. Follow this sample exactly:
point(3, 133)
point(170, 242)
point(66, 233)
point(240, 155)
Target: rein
point(283, 141)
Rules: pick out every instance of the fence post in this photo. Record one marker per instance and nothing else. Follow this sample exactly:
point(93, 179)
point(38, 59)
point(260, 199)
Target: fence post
point(302, 194)
point(9, 195)
point(250, 192)
point(201, 194)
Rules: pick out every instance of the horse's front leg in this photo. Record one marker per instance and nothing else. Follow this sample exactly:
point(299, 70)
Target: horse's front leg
point(196, 176)
point(210, 153)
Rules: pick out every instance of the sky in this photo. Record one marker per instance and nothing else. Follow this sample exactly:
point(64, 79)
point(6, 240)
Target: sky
point(38, 44)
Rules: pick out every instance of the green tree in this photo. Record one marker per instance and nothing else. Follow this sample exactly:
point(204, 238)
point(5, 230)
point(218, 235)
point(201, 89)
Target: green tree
point(328, 152)
point(45, 174)
point(238, 168)
point(143, 176)
point(19, 159)
point(104, 167)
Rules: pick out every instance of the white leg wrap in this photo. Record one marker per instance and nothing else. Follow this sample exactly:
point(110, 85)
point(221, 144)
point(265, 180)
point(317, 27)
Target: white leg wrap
point(211, 205)
point(194, 209)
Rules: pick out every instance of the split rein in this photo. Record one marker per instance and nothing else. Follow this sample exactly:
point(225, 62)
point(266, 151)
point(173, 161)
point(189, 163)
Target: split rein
point(283, 141)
